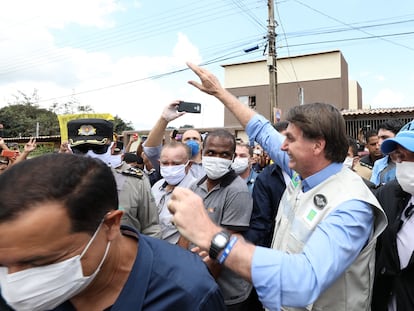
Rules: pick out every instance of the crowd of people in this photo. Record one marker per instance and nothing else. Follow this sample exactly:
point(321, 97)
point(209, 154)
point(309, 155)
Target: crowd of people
point(292, 219)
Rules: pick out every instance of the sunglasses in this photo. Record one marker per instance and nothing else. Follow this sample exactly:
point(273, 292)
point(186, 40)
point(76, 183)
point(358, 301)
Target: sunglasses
point(97, 149)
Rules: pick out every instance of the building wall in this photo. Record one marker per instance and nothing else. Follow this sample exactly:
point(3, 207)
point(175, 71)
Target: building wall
point(323, 77)
point(355, 95)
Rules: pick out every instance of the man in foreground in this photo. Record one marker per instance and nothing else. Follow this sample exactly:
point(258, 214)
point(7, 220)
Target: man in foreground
point(324, 241)
point(62, 247)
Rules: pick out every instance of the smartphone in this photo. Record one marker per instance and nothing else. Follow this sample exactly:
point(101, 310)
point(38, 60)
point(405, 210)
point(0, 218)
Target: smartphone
point(8, 153)
point(189, 107)
point(174, 133)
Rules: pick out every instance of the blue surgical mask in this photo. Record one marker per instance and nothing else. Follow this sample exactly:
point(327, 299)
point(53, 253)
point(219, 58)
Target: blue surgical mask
point(194, 146)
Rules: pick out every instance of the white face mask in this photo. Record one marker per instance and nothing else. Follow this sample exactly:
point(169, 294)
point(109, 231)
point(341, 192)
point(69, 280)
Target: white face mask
point(173, 174)
point(405, 177)
point(46, 287)
point(105, 157)
point(239, 165)
point(349, 162)
point(216, 167)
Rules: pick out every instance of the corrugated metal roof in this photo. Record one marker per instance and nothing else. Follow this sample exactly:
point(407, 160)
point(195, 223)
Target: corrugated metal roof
point(377, 111)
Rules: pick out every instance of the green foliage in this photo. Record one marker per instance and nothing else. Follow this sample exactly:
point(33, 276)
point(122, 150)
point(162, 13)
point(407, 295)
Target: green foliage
point(71, 107)
point(20, 118)
point(120, 125)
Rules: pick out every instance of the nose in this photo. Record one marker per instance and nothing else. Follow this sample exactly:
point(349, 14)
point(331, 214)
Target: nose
point(284, 145)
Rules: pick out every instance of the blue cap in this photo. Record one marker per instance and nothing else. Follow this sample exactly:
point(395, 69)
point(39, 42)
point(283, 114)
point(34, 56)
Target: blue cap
point(403, 138)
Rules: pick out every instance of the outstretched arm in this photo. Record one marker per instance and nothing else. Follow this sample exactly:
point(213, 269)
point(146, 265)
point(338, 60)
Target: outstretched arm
point(29, 147)
point(156, 134)
point(211, 85)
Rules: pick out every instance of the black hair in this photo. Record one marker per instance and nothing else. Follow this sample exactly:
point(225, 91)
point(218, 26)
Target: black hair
point(223, 134)
point(84, 186)
point(393, 125)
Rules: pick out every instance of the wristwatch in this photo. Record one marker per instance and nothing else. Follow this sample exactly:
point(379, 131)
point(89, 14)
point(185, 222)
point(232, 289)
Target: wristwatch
point(218, 243)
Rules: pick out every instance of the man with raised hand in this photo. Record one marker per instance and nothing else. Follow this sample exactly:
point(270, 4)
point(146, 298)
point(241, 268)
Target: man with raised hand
point(327, 224)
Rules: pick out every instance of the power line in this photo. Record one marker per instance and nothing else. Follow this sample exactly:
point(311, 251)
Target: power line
point(153, 77)
point(351, 26)
point(209, 62)
point(130, 32)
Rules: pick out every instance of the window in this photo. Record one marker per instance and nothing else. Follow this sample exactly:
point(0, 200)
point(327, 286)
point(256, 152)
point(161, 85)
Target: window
point(248, 101)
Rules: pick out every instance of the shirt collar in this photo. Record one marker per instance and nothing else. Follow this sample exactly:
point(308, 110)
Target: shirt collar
point(315, 179)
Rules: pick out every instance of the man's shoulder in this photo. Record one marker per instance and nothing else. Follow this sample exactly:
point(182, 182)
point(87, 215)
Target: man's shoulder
point(237, 184)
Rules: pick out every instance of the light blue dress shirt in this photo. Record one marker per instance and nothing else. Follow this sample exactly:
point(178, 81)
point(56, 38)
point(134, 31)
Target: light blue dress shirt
point(379, 166)
point(297, 280)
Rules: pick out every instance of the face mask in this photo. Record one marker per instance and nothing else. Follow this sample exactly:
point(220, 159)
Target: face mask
point(348, 162)
point(239, 165)
point(173, 174)
point(194, 146)
point(216, 167)
point(404, 175)
point(46, 287)
point(115, 160)
point(104, 157)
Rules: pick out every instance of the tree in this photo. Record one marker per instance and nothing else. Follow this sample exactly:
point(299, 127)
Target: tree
point(70, 107)
point(120, 125)
point(20, 118)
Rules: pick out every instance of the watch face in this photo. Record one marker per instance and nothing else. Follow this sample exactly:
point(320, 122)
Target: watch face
point(220, 240)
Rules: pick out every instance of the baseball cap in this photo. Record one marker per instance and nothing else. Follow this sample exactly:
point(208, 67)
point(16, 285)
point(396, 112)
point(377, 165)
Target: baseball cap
point(404, 138)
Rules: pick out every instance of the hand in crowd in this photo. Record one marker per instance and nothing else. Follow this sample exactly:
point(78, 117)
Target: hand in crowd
point(30, 145)
point(170, 111)
point(64, 147)
point(209, 82)
point(2, 142)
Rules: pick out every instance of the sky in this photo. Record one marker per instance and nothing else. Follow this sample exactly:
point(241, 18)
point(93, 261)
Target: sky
point(127, 57)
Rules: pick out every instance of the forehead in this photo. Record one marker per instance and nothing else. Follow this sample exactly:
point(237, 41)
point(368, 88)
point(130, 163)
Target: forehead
point(37, 231)
point(385, 133)
point(191, 134)
point(373, 139)
point(176, 152)
point(294, 130)
point(219, 142)
point(242, 149)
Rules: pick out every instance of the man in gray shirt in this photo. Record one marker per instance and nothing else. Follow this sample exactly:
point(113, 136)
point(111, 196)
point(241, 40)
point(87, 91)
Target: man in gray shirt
point(229, 204)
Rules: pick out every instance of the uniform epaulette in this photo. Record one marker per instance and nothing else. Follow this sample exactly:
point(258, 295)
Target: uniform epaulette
point(134, 172)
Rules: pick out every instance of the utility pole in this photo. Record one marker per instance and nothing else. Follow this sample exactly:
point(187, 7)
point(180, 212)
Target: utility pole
point(271, 60)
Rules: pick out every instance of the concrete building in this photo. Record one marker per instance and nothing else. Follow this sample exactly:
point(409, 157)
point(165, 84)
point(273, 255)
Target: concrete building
point(319, 77)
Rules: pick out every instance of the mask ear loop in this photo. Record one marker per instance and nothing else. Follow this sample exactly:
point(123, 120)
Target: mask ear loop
point(91, 239)
point(89, 244)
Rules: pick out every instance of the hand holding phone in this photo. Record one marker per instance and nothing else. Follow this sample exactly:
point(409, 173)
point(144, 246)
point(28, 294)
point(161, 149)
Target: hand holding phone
point(8, 153)
point(189, 107)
